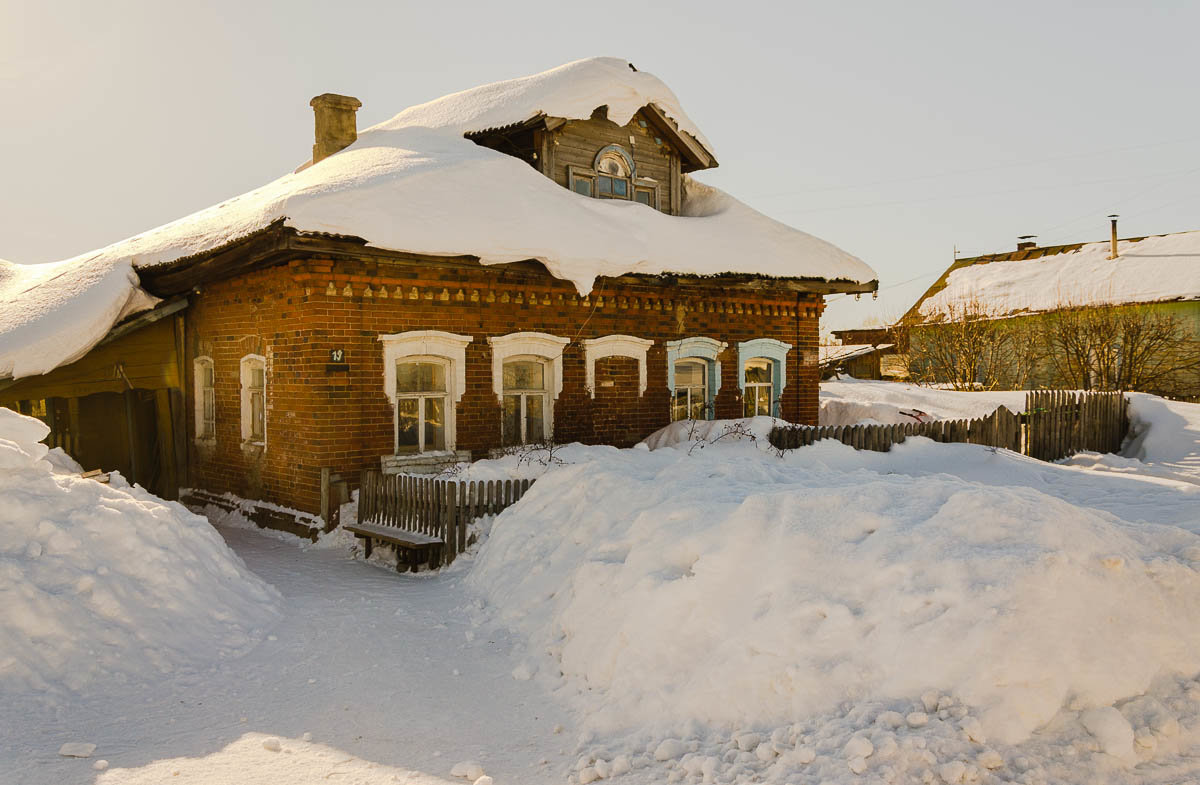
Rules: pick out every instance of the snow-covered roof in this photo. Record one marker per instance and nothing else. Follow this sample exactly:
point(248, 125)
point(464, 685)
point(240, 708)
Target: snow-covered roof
point(1151, 269)
point(829, 354)
point(415, 184)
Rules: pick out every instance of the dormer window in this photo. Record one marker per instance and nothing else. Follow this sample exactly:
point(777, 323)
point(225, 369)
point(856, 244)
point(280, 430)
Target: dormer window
point(613, 176)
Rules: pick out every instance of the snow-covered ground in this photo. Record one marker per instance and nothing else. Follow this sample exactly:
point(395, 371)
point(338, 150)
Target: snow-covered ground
point(707, 611)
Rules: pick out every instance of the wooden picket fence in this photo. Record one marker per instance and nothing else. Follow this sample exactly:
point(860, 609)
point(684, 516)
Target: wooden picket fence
point(438, 508)
point(1055, 424)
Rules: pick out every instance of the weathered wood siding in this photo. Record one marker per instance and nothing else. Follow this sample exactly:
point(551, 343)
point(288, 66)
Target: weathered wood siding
point(577, 142)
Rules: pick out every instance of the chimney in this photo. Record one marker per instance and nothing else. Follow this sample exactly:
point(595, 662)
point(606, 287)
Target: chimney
point(1112, 254)
point(336, 128)
point(1026, 241)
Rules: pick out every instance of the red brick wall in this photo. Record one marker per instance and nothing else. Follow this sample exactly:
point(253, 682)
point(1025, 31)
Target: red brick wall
point(318, 416)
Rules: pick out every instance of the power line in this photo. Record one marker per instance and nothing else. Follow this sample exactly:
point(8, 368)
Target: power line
point(973, 170)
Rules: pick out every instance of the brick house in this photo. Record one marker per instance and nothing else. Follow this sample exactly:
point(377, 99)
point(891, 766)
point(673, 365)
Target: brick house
point(375, 309)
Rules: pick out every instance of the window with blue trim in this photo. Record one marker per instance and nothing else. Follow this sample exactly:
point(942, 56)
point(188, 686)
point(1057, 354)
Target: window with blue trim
point(694, 376)
point(762, 366)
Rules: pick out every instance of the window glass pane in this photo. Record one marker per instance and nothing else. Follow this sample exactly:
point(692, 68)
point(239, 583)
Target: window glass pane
point(620, 187)
point(758, 371)
point(643, 196)
point(764, 399)
point(689, 374)
point(583, 185)
point(524, 375)
point(435, 423)
point(420, 377)
point(679, 406)
point(510, 423)
point(604, 184)
point(699, 410)
point(534, 423)
point(257, 415)
point(209, 405)
point(256, 377)
point(406, 425)
point(207, 375)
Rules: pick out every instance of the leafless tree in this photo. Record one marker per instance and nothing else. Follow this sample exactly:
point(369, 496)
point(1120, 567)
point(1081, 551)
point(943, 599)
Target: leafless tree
point(968, 348)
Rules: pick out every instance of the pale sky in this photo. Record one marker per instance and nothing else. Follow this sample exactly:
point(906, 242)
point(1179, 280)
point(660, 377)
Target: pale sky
point(897, 131)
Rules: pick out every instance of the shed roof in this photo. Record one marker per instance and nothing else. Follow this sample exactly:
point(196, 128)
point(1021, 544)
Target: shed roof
point(1156, 268)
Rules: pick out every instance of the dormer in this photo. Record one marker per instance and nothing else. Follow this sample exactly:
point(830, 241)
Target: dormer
point(642, 161)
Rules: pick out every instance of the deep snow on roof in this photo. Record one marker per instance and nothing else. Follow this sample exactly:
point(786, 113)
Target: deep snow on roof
point(415, 184)
point(1152, 269)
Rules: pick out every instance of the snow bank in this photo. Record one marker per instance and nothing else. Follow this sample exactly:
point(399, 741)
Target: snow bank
point(105, 582)
point(52, 314)
point(1166, 267)
point(413, 183)
point(793, 589)
point(850, 401)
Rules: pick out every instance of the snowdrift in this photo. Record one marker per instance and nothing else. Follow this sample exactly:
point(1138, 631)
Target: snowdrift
point(108, 582)
point(851, 401)
point(793, 587)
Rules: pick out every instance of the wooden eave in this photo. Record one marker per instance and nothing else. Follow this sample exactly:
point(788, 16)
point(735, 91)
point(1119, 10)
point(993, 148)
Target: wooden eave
point(693, 154)
point(279, 244)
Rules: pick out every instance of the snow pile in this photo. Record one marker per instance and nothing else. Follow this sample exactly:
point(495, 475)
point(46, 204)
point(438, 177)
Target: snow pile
point(1166, 267)
point(105, 582)
point(800, 591)
point(414, 183)
point(52, 314)
point(850, 401)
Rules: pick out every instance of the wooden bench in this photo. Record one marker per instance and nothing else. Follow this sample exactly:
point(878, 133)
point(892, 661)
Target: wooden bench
point(412, 548)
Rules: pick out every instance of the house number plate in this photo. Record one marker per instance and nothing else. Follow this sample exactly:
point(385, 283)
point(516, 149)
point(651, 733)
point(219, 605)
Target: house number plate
point(337, 355)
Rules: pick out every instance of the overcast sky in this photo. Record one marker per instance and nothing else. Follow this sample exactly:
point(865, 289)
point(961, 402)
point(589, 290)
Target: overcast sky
point(898, 131)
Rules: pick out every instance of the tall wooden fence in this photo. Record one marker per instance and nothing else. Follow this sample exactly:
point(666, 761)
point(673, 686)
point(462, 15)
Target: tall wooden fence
point(1056, 424)
point(438, 508)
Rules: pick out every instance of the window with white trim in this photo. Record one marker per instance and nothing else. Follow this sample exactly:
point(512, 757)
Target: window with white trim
point(204, 389)
point(254, 399)
point(614, 346)
point(690, 401)
point(421, 404)
point(613, 175)
point(526, 402)
point(527, 378)
point(424, 378)
point(759, 391)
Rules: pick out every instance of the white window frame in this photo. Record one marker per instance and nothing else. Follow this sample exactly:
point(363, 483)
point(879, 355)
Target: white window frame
point(703, 348)
point(427, 346)
point(204, 435)
point(749, 387)
point(615, 346)
point(447, 404)
point(246, 365)
point(766, 349)
point(544, 393)
point(533, 346)
point(704, 366)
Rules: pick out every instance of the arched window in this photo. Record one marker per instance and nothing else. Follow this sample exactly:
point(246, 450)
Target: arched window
point(424, 377)
point(759, 390)
point(421, 404)
point(614, 173)
point(762, 375)
point(694, 376)
point(527, 378)
point(526, 401)
point(690, 401)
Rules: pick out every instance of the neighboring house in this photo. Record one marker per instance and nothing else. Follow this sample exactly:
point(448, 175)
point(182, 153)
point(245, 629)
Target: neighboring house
point(1033, 286)
point(519, 262)
point(864, 353)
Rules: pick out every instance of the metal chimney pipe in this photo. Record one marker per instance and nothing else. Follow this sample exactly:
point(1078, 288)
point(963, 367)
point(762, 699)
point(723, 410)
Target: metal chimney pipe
point(1112, 254)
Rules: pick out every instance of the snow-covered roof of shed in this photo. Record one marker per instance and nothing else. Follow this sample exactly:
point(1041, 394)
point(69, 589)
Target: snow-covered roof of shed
point(1151, 269)
point(415, 184)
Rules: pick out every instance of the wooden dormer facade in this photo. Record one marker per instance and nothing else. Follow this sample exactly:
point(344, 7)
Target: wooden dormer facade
point(642, 161)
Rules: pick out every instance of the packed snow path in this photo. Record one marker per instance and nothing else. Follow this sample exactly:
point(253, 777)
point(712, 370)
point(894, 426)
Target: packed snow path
point(378, 666)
